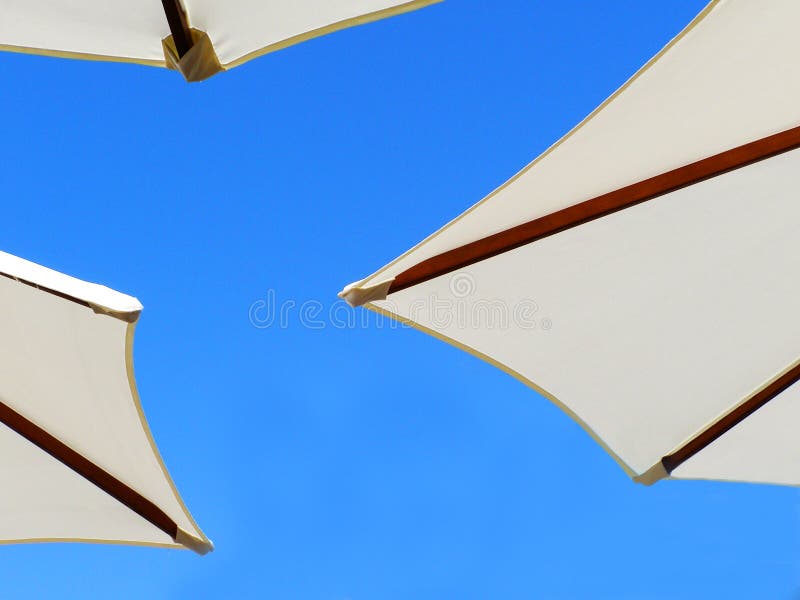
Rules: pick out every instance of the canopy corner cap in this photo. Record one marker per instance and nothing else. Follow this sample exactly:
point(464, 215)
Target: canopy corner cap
point(200, 546)
point(653, 475)
point(357, 295)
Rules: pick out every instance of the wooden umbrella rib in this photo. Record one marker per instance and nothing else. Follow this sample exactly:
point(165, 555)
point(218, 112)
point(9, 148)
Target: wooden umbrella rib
point(178, 26)
point(598, 207)
point(731, 420)
point(88, 470)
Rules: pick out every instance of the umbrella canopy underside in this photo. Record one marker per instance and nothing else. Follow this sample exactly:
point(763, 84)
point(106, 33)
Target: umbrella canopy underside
point(127, 31)
point(641, 272)
point(78, 458)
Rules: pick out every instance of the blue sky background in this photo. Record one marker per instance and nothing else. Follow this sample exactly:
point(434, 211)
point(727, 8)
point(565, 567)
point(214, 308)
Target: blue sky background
point(357, 463)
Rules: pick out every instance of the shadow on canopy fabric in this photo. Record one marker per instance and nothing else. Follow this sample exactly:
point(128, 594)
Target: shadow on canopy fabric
point(73, 438)
point(197, 37)
point(642, 271)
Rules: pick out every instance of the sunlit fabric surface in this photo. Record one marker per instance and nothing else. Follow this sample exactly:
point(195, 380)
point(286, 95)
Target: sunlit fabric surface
point(133, 30)
point(67, 368)
point(649, 324)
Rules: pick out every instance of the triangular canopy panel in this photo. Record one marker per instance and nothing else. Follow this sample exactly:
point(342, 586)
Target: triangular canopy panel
point(728, 79)
point(66, 372)
point(642, 272)
point(43, 500)
point(133, 30)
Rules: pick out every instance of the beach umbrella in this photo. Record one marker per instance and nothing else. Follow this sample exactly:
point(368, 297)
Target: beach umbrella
point(642, 273)
point(196, 37)
point(77, 459)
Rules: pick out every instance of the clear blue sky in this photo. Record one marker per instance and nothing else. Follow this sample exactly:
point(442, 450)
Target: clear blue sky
point(357, 463)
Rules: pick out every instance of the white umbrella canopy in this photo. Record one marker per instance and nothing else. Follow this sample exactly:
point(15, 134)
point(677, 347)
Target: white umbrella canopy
point(641, 273)
point(77, 458)
point(197, 37)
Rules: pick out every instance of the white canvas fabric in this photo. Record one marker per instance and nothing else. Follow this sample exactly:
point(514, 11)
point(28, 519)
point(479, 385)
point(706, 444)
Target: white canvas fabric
point(763, 448)
point(45, 501)
point(132, 31)
point(726, 80)
point(650, 324)
point(66, 365)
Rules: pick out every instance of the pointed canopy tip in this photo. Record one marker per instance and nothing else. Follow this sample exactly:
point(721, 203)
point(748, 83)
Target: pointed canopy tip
point(653, 475)
point(355, 295)
point(200, 546)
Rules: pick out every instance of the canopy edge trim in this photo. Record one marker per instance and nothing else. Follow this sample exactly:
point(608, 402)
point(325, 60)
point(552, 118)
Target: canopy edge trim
point(129, 335)
point(274, 47)
point(332, 28)
point(508, 371)
point(81, 55)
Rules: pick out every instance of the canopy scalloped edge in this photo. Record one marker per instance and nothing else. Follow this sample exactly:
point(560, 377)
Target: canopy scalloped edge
point(518, 376)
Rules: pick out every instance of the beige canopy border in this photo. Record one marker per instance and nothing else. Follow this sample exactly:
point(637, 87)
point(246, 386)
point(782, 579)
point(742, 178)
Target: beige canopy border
point(596, 208)
point(191, 51)
point(92, 472)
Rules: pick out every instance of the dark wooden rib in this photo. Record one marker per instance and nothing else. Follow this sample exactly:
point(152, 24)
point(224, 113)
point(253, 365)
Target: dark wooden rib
point(178, 26)
point(128, 317)
point(48, 290)
point(731, 420)
point(87, 469)
point(595, 208)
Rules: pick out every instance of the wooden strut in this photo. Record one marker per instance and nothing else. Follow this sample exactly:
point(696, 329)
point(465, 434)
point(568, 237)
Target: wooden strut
point(607, 204)
point(88, 470)
point(178, 26)
point(598, 207)
point(729, 421)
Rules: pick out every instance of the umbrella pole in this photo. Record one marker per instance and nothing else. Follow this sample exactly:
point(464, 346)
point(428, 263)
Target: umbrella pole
point(178, 26)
